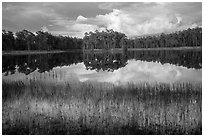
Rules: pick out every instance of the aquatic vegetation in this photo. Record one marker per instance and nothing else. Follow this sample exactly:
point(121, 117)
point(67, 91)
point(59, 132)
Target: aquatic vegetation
point(37, 107)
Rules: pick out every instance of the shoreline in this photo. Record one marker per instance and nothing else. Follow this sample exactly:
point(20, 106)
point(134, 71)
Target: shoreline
point(143, 49)
point(170, 48)
point(25, 52)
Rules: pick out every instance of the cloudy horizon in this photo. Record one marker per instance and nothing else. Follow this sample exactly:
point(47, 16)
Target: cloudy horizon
point(74, 19)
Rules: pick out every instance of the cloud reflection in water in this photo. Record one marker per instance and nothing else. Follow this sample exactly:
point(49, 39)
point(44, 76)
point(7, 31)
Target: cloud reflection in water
point(134, 72)
point(142, 71)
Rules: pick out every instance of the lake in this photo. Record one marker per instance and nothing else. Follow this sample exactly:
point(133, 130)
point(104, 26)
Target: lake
point(135, 66)
point(133, 92)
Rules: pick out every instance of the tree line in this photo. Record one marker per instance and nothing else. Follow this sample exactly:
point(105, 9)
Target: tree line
point(185, 38)
point(26, 40)
point(109, 39)
point(113, 39)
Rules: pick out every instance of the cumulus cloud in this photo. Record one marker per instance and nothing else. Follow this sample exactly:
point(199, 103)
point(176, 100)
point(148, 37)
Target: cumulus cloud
point(133, 19)
point(137, 19)
point(148, 18)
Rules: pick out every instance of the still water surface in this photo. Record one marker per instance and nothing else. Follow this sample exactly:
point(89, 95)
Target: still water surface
point(168, 66)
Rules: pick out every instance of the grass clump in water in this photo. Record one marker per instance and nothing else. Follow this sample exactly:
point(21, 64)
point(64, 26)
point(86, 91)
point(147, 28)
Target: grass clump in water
point(101, 108)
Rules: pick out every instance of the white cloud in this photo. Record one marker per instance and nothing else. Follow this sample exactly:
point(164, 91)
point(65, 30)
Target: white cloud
point(44, 29)
point(137, 19)
point(133, 19)
point(81, 18)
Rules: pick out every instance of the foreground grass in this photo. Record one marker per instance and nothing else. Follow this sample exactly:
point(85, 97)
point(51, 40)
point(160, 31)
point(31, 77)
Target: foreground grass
point(101, 108)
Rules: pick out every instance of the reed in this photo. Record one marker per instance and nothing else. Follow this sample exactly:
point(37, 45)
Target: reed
point(37, 107)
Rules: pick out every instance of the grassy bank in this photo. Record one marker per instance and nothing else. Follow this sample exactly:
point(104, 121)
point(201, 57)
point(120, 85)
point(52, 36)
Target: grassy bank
point(100, 108)
point(169, 48)
point(28, 52)
point(142, 49)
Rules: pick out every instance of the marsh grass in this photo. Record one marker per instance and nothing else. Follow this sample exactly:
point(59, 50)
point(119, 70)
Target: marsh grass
point(38, 107)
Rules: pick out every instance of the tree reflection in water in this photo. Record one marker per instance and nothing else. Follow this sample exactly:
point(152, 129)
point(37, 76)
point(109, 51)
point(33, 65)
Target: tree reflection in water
point(42, 62)
point(105, 61)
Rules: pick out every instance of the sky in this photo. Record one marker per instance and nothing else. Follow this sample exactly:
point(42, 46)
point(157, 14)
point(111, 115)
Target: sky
point(74, 19)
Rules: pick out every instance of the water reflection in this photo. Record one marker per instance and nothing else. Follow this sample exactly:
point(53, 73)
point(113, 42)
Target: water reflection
point(104, 61)
point(42, 62)
point(135, 72)
point(134, 66)
point(98, 61)
point(186, 58)
point(142, 71)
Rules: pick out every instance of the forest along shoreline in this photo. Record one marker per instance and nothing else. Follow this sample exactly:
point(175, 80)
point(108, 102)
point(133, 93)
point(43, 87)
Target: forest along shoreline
point(26, 52)
point(109, 40)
